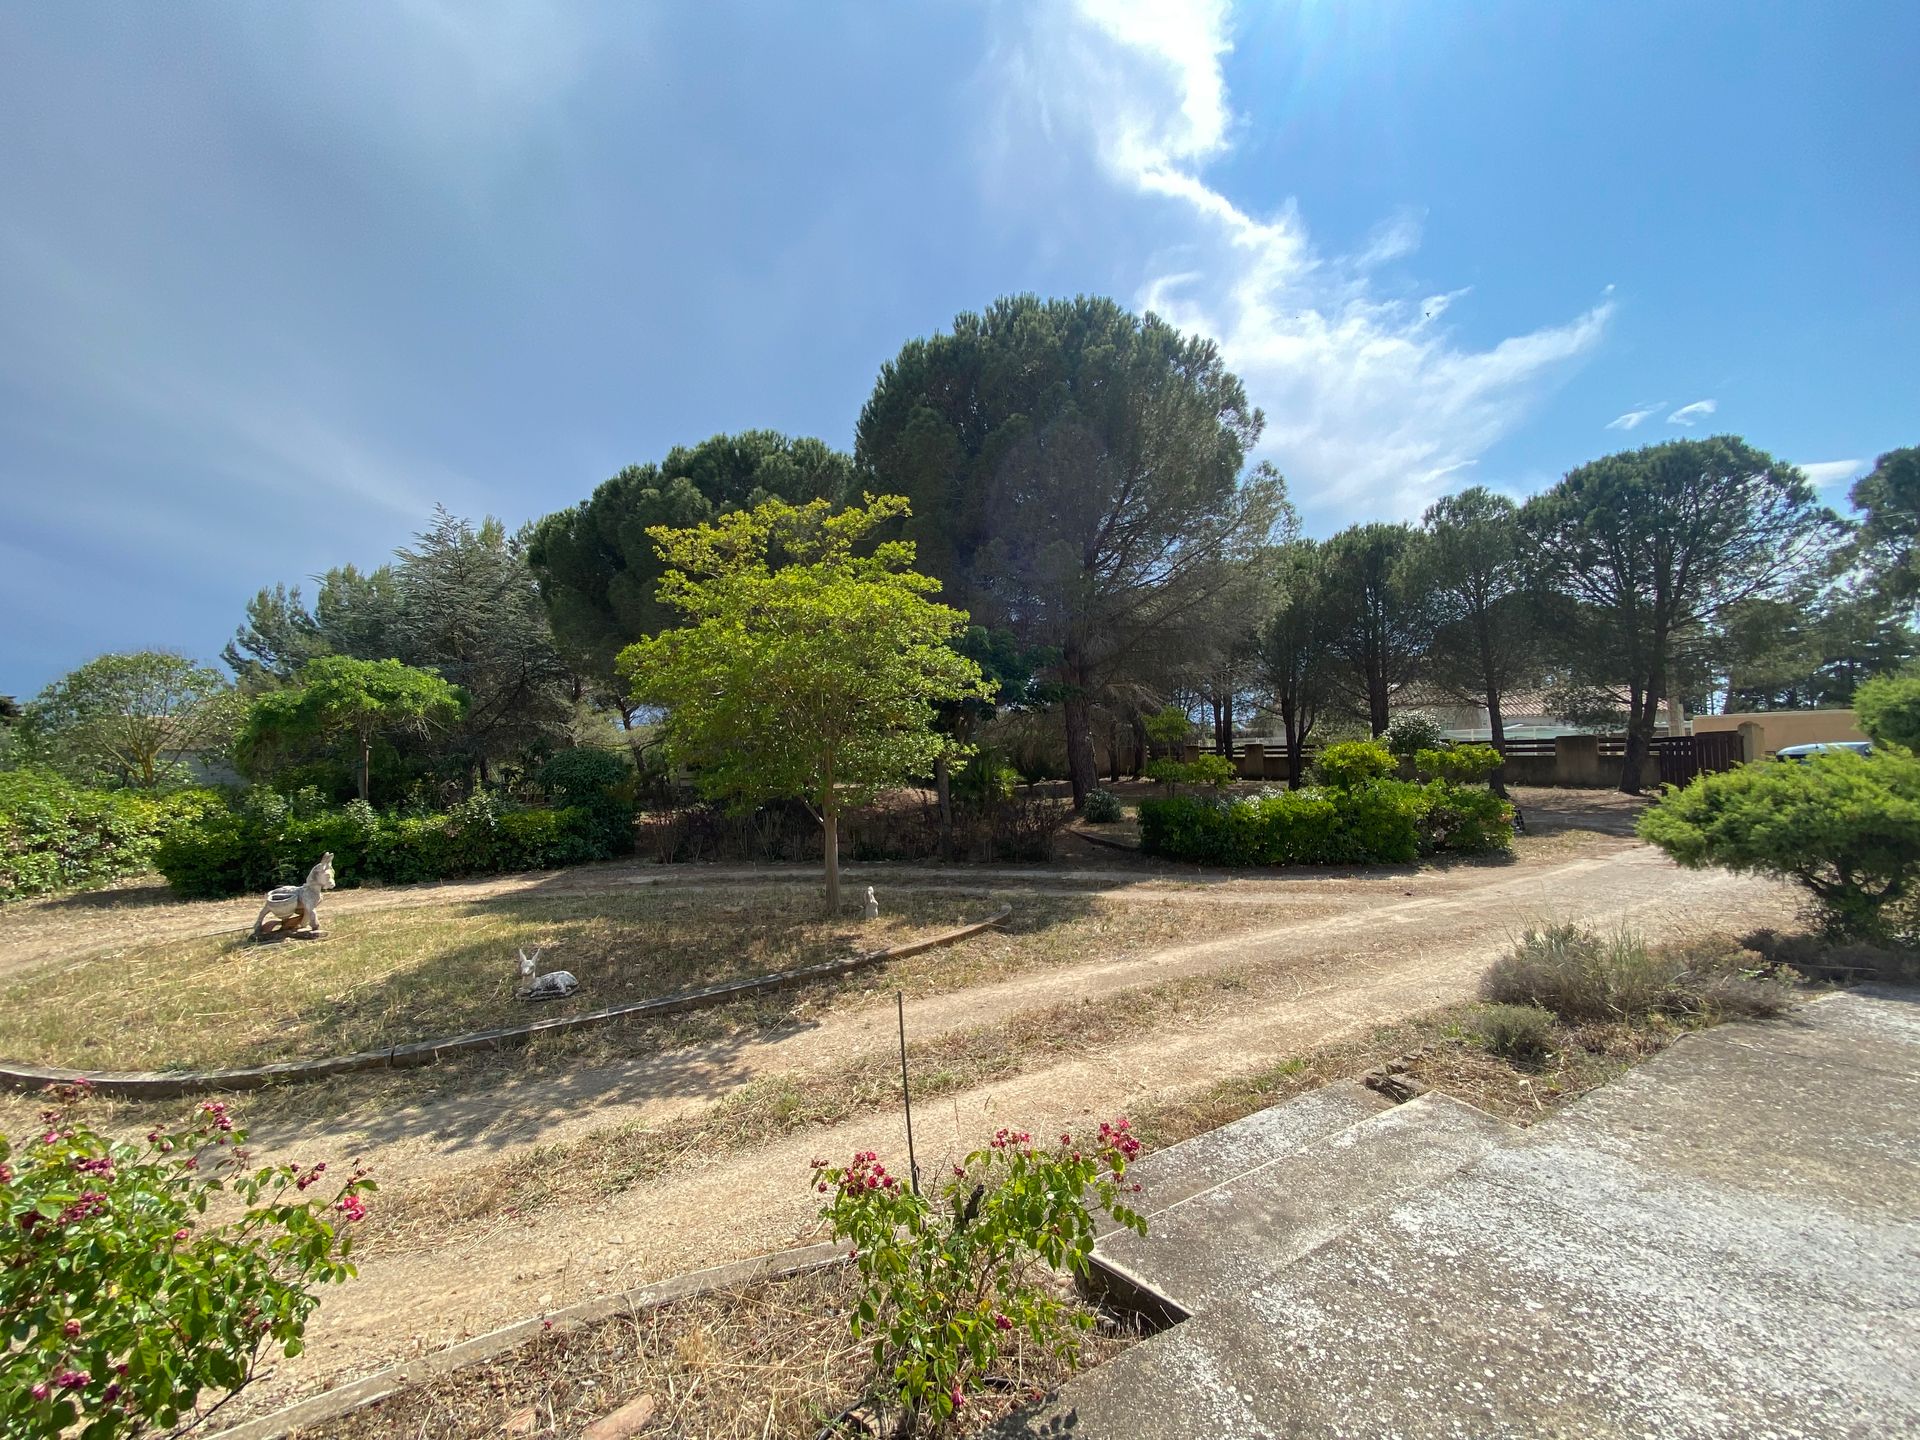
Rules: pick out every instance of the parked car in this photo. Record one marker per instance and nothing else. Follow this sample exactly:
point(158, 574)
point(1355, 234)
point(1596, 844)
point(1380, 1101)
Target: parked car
point(1821, 747)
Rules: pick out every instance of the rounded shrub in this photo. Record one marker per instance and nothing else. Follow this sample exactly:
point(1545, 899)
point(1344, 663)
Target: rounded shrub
point(1408, 735)
point(1355, 762)
point(1516, 1032)
point(1103, 807)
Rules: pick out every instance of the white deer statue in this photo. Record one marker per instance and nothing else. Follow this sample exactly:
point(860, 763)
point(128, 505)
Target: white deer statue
point(296, 907)
point(556, 985)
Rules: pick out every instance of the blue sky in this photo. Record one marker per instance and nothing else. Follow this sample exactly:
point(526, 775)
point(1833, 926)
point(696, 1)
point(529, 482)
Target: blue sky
point(276, 279)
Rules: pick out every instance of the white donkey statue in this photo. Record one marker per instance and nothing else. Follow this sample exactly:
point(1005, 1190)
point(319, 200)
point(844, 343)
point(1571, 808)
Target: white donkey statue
point(296, 906)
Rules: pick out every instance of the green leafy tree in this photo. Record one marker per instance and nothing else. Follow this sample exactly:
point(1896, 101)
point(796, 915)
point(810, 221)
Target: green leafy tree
point(1295, 655)
point(362, 700)
point(1889, 546)
point(1380, 622)
point(1654, 543)
point(1472, 570)
point(1889, 710)
point(354, 613)
point(133, 718)
point(802, 668)
point(470, 611)
point(596, 564)
point(1077, 473)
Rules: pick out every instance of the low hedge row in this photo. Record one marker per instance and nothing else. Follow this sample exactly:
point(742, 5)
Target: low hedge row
point(234, 852)
point(1375, 822)
point(55, 835)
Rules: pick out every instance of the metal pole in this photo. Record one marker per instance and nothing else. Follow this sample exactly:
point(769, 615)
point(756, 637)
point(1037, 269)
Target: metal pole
point(906, 1096)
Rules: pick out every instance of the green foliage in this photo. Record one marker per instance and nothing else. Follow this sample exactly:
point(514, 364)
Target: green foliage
point(131, 719)
point(1457, 819)
point(1517, 1032)
point(1212, 771)
point(55, 835)
point(1846, 827)
point(1369, 822)
point(1889, 710)
point(1103, 808)
point(266, 842)
point(1169, 727)
point(124, 1303)
point(359, 700)
point(584, 775)
point(1411, 733)
point(948, 1277)
point(1378, 619)
point(1490, 629)
point(1348, 763)
point(810, 662)
point(1889, 498)
point(985, 779)
point(597, 564)
point(1462, 764)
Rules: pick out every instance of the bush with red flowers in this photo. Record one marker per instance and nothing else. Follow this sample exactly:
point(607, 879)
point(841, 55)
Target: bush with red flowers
point(124, 1304)
point(954, 1276)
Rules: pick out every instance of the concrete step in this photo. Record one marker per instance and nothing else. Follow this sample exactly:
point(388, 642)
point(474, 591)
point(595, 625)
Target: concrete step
point(1221, 1240)
point(1182, 1171)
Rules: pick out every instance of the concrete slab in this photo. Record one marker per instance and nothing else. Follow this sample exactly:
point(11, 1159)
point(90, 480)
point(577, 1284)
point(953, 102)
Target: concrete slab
point(1184, 1170)
point(1725, 1242)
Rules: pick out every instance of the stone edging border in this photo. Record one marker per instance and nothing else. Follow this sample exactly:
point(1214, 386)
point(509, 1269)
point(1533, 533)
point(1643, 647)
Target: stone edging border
point(155, 1085)
point(355, 1395)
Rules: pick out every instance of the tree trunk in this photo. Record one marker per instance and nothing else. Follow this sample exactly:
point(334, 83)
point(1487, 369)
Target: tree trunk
point(366, 765)
point(1639, 736)
point(1138, 759)
point(1377, 702)
point(943, 789)
point(1078, 710)
point(1290, 727)
point(1497, 736)
point(830, 844)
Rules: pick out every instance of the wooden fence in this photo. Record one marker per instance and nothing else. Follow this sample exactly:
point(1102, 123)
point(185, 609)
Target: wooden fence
point(1578, 760)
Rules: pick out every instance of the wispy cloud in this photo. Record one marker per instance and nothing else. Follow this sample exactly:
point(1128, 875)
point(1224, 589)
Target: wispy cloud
point(1633, 417)
point(1691, 415)
point(1371, 402)
point(1832, 472)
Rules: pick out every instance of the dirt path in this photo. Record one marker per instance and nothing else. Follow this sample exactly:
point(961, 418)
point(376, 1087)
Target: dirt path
point(1364, 950)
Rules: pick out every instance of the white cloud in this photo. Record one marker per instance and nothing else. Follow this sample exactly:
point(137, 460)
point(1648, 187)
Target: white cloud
point(1832, 472)
point(1691, 415)
point(1370, 402)
point(1633, 417)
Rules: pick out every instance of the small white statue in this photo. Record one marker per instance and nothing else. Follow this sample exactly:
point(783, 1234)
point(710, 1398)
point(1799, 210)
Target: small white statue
point(873, 904)
point(295, 907)
point(556, 985)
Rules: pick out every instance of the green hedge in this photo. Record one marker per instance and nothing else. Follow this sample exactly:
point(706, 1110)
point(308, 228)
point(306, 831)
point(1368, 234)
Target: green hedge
point(233, 852)
point(1376, 822)
point(55, 835)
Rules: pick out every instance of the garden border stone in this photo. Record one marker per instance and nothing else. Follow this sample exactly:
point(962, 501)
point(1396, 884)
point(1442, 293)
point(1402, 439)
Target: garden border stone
point(160, 1085)
point(383, 1384)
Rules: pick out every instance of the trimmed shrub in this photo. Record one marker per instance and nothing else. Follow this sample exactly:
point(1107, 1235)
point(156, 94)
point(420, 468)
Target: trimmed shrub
point(1377, 822)
point(1103, 808)
point(1461, 820)
point(55, 835)
point(1462, 764)
point(234, 852)
point(1845, 827)
point(1517, 1032)
point(1355, 762)
point(1408, 735)
point(1212, 771)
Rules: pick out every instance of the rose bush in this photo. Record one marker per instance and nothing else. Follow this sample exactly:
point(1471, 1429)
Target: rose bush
point(950, 1280)
point(124, 1301)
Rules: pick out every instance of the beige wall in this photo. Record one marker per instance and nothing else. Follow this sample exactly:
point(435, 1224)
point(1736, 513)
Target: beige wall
point(1781, 728)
